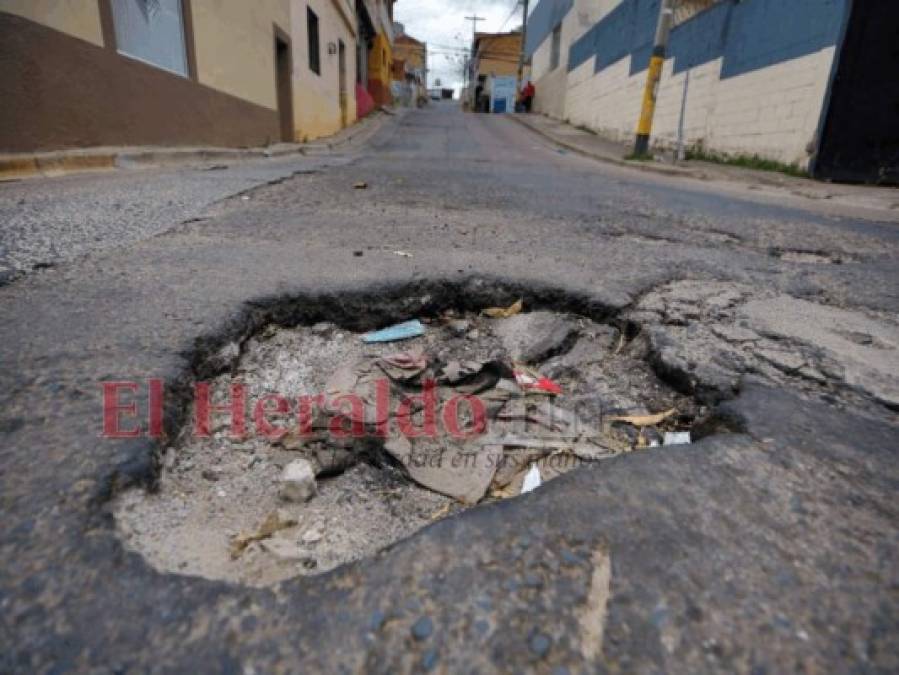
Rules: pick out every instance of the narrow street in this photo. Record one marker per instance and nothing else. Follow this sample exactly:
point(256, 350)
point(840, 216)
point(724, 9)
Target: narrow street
point(766, 545)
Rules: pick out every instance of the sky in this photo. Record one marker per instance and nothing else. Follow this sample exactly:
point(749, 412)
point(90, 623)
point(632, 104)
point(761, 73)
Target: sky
point(442, 24)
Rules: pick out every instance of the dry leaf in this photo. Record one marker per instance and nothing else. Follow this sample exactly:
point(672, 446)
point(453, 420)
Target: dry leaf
point(361, 185)
point(504, 312)
point(621, 340)
point(442, 512)
point(644, 420)
point(273, 523)
point(504, 493)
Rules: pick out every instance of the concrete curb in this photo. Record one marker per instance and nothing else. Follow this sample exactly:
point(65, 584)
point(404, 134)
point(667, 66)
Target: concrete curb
point(649, 166)
point(48, 164)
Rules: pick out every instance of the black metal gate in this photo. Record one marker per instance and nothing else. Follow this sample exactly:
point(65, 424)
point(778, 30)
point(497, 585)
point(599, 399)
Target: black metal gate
point(860, 135)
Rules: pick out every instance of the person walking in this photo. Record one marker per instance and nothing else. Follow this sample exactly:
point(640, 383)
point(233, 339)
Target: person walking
point(527, 96)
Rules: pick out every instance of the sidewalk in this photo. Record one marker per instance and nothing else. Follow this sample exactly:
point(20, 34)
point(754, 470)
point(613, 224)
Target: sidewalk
point(61, 162)
point(881, 202)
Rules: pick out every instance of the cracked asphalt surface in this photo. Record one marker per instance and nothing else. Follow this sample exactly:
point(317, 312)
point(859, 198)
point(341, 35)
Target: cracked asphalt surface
point(86, 213)
point(767, 546)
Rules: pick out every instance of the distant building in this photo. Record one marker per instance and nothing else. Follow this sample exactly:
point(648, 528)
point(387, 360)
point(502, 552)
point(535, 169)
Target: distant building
point(410, 71)
point(805, 82)
point(375, 52)
point(493, 55)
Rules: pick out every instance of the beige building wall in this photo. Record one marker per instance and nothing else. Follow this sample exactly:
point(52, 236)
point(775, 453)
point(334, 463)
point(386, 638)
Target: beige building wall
point(316, 98)
point(234, 39)
point(234, 42)
point(78, 18)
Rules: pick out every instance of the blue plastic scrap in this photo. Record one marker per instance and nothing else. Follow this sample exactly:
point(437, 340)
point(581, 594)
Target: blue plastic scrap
point(401, 331)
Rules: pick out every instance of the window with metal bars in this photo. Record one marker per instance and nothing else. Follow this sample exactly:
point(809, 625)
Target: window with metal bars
point(151, 31)
point(555, 54)
point(314, 48)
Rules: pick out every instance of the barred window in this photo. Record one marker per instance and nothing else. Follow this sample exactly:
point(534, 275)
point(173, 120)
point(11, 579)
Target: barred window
point(151, 31)
point(556, 53)
point(312, 31)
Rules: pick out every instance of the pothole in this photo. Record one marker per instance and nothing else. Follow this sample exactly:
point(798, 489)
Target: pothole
point(478, 409)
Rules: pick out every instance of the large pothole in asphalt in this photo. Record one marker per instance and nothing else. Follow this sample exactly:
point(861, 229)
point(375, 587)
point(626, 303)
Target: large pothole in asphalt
point(397, 434)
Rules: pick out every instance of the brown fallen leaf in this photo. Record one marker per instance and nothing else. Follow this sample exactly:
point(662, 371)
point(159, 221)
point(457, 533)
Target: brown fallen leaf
point(362, 185)
point(274, 522)
point(442, 512)
point(644, 420)
point(504, 312)
point(504, 493)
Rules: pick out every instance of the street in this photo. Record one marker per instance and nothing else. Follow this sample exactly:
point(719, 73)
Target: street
point(766, 545)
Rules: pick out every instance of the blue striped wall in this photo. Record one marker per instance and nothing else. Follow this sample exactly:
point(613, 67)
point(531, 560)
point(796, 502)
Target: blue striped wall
point(543, 20)
point(748, 34)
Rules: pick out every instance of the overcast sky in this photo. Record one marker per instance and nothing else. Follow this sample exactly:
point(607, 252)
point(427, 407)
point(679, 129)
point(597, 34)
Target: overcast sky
point(442, 24)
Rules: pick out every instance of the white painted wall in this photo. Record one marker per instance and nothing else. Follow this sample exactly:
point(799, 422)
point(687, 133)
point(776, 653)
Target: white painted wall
point(772, 112)
point(552, 85)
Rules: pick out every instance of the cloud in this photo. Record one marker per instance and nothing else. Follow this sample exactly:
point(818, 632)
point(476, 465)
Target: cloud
point(442, 25)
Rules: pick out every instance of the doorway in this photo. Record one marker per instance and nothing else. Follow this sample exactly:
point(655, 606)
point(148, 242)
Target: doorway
point(860, 136)
point(341, 59)
point(283, 74)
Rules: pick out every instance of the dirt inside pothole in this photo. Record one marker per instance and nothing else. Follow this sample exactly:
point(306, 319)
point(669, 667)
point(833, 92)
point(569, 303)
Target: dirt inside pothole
point(218, 490)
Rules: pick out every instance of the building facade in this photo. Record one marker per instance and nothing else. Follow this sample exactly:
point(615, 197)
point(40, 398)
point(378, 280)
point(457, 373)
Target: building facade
point(324, 96)
point(410, 68)
point(493, 56)
point(235, 73)
point(752, 77)
point(375, 52)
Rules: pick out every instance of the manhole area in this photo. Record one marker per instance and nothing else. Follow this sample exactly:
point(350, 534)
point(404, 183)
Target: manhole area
point(478, 408)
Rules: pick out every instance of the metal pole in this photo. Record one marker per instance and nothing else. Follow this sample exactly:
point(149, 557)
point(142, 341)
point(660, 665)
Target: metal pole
point(653, 75)
point(524, 39)
point(680, 155)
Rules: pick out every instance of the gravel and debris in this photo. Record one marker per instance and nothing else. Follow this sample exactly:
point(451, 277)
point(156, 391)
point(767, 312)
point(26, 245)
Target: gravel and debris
point(344, 497)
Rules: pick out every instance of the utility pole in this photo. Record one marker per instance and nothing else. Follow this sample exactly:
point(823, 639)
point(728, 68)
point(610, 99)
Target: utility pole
point(653, 75)
point(474, 34)
point(474, 25)
point(524, 39)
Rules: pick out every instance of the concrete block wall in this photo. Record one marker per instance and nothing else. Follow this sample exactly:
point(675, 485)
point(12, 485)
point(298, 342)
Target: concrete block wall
point(552, 84)
point(759, 72)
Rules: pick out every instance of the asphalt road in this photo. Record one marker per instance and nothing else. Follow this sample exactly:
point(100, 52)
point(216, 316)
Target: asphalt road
point(48, 221)
point(767, 546)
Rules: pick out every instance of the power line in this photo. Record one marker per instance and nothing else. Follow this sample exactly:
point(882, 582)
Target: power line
point(474, 23)
point(511, 14)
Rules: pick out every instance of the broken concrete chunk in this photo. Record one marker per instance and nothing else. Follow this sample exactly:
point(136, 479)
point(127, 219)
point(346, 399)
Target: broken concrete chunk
point(734, 333)
point(785, 361)
point(285, 549)
point(297, 481)
point(463, 472)
point(312, 536)
point(560, 337)
point(455, 372)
